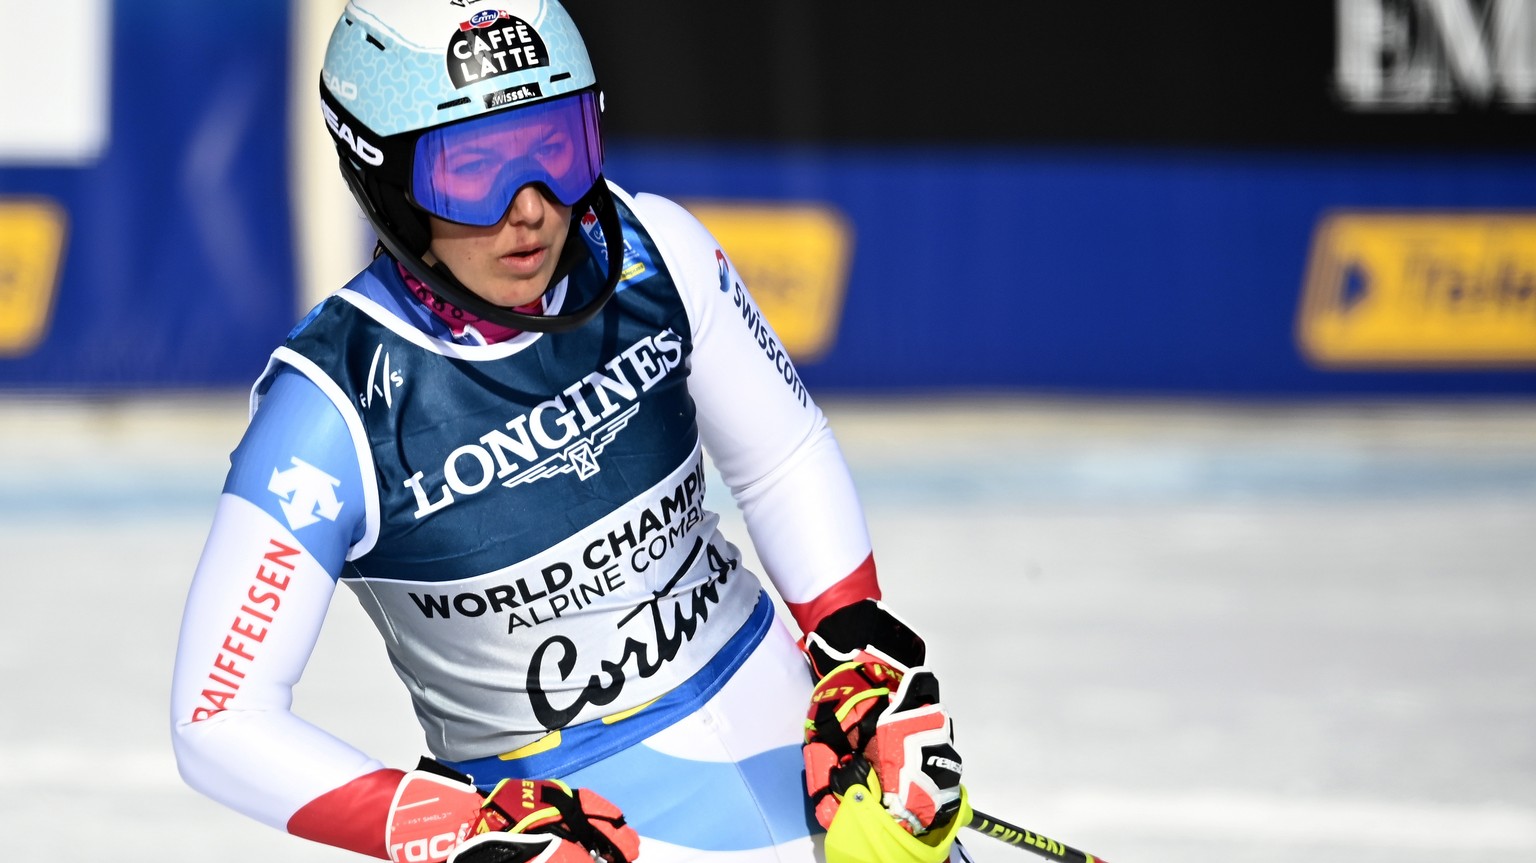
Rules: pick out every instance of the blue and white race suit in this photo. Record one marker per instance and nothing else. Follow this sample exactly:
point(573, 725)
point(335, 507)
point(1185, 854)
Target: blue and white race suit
point(524, 522)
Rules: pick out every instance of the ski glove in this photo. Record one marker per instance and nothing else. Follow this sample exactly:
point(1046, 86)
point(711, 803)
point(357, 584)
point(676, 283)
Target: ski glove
point(539, 821)
point(436, 818)
point(876, 708)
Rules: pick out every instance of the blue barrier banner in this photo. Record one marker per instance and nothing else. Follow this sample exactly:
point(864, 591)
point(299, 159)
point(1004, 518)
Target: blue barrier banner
point(144, 210)
point(1123, 271)
point(146, 237)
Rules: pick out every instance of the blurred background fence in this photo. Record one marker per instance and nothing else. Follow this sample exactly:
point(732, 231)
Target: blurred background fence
point(1199, 198)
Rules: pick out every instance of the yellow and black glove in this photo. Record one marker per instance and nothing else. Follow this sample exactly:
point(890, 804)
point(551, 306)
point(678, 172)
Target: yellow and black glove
point(877, 733)
point(545, 821)
point(437, 816)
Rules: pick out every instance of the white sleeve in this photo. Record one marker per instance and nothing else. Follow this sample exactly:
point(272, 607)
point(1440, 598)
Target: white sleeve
point(252, 618)
point(253, 614)
point(762, 430)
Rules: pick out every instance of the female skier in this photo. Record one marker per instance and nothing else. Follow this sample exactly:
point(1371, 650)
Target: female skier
point(494, 436)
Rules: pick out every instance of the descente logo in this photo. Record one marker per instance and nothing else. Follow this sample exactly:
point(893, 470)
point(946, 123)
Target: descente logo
point(563, 434)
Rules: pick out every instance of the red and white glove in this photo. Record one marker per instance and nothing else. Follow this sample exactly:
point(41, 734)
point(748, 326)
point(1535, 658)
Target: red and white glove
point(875, 707)
point(438, 819)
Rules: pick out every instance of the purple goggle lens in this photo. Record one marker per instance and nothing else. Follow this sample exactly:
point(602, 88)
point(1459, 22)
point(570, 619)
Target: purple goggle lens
point(469, 172)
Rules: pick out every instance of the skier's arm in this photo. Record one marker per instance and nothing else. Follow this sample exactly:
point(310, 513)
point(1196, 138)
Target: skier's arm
point(764, 433)
point(876, 720)
point(292, 506)
point(875, 716)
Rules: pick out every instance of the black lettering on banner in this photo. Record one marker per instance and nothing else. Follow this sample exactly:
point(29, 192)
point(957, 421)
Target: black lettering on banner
point(607, 684)
point(490, 45)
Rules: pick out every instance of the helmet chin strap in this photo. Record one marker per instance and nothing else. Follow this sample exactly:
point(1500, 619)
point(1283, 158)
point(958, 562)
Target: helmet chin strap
point(448, 287)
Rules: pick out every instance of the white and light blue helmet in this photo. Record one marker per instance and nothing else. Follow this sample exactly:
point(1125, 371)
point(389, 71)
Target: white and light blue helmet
point(405, 79)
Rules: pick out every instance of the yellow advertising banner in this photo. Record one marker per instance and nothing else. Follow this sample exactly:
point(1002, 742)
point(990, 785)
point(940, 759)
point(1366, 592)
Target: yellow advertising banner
point(31, 250)
point(1422, 290)
point(794, 258)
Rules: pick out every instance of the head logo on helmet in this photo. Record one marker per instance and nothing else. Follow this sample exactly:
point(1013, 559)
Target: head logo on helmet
point(493, 43)
point(344, 134)
point(407, 80)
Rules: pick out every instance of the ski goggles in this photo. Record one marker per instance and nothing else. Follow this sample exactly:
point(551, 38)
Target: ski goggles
point(469, 172)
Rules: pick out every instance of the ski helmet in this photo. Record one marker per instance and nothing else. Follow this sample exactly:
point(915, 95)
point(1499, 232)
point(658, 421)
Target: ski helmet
point(407, 84)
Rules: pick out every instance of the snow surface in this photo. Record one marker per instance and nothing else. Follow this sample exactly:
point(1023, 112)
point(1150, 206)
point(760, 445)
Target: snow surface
point(1169, 632)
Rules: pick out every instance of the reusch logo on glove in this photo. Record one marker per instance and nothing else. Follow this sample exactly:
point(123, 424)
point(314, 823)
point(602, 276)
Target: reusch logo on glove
point(949, 764)
point(491, 44)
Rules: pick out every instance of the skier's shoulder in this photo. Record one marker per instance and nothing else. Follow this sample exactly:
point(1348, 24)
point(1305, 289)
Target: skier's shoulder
point(687, 249)
point(669, 223)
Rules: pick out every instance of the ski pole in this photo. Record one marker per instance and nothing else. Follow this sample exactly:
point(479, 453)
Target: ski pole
point(1029, 841)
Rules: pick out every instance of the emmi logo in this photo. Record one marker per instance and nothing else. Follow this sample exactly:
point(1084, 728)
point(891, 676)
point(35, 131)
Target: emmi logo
point(1436, 55)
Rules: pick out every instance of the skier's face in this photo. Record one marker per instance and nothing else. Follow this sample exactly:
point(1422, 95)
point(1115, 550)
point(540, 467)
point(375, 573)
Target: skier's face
point(511, 262)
